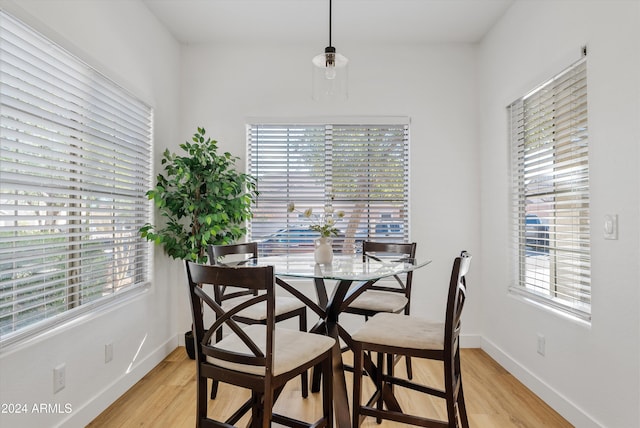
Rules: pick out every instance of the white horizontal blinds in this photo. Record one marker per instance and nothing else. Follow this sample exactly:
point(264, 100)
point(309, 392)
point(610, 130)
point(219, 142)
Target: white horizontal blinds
point(361, 170)
point(75, 155)
point(551, 204)
point(370, 180)
point(289, 164)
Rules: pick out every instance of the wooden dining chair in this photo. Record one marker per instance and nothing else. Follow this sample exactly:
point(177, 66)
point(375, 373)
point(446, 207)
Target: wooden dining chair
point(228, 296)
point(417, 337)
point(258, 357)
point(390, 297)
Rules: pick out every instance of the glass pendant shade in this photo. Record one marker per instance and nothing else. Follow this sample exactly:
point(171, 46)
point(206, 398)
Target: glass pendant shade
point(330, 72)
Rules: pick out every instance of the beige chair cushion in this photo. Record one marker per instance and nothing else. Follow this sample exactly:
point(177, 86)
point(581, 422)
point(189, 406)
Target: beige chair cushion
point(291, 349)
point(380, 301)
point(259, 310)
point(403, 331)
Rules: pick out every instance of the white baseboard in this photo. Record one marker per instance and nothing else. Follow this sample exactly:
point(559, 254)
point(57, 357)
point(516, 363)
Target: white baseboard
point(103, 399)
point(81, 416)
point(470, 341)
point(568, 410)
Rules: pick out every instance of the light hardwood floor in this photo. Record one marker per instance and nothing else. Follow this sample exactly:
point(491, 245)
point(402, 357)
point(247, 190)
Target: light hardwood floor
point(165, 397)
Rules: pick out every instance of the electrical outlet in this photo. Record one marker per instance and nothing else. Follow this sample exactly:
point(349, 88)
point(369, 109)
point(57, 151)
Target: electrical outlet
point(108, 352)
point(541, 345)
point(59, 378)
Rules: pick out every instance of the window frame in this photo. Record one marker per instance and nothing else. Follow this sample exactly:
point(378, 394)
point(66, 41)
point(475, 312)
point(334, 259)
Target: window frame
point(550, 203)
point(76, 158)
point(331, 135)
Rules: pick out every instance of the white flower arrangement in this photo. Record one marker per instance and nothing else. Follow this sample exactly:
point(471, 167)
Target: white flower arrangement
point(324, 223)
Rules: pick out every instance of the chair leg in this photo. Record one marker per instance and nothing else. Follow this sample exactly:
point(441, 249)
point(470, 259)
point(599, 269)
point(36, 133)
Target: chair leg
point(357, 385)
point(214, 383)
point(409, 368)
point(407, 358)
point(304, 383)
point(304, 377)
point(267, 408)
point(462, 408)
point(315, 380)
point(327, 391)
point(214, 389)
point(391, 361)
point(379, 383)
point(452, 413)
point(257, 410)
point(201, 405)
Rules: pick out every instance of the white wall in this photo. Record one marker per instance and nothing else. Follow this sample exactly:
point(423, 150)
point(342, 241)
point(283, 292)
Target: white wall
point(589, 374)
point(126, 43)
point(433, 85)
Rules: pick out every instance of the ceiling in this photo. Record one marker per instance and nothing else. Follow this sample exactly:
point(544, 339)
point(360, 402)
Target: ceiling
point(302, 21)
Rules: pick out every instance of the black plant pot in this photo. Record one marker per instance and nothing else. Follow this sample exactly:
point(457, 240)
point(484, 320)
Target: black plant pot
point(188, 343)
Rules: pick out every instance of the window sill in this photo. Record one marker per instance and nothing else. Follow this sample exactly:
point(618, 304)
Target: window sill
point(548, 305)
point(66, 321)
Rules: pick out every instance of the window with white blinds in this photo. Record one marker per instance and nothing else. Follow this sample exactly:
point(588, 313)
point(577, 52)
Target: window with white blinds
point(360, 170)
point(75, 163)
point(550, 178)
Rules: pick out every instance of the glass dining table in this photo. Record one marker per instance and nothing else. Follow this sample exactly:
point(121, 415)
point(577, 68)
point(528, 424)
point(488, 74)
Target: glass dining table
point(353, 275)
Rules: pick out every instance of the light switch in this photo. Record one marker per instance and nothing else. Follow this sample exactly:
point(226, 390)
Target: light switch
point(611, 226)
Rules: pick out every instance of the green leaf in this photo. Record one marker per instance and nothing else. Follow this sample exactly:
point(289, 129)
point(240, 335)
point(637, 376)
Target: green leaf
point(201, 198)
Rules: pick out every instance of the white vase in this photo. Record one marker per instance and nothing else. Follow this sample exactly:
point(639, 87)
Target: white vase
point(323, 250)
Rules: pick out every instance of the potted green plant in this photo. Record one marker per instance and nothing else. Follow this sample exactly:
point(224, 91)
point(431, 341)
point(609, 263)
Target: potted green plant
point(202, 199)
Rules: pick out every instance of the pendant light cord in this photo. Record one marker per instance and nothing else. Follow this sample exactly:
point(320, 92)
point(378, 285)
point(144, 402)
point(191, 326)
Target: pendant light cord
point(329, 22)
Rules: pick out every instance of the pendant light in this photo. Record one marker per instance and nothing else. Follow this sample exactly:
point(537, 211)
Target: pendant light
point(330, 72)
